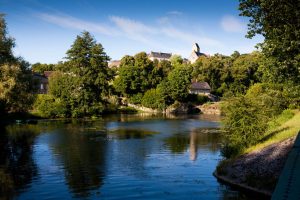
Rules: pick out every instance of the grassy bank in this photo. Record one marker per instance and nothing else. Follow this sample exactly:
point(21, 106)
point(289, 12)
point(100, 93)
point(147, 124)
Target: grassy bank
point(258, 167)
point(283, 127)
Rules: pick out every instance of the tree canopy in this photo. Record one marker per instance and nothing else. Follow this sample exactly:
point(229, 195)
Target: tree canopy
point(279, 22)
point(83, 80)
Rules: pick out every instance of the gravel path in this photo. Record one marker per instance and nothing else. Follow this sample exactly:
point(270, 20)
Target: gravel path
point(258, 169)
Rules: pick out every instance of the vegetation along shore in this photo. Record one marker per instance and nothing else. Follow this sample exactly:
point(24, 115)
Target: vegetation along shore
point(257, 93)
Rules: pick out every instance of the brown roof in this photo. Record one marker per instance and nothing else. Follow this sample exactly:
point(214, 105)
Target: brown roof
point(160, 55)
point(200, 86)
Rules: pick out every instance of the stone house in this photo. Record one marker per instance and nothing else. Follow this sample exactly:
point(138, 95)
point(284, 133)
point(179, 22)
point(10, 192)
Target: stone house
point(41, 82)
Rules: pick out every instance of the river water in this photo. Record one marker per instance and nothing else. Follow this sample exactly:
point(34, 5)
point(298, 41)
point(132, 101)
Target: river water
point(116, 157)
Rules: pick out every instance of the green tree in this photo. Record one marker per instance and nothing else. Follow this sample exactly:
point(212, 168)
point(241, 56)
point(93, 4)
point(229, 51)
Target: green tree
point(84, 79)
point(136, 75)
point(15, 77)
point(7, 43)
point(41, 68)
point(176, 60)
point(179, 81)
point(279, 22)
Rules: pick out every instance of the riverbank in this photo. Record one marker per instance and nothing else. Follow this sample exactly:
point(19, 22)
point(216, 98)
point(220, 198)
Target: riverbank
point(259, 167)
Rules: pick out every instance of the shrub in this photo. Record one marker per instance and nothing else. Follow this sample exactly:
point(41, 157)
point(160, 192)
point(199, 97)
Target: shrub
point(49, 107)
point(150, 99)
point(136, 99)
point(198, 99)
point(245, 123)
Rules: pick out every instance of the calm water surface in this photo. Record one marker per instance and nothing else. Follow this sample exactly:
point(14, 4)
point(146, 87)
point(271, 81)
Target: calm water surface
point(117, 157)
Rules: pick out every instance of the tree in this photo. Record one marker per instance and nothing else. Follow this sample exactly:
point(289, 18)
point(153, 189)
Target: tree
point(179, 81)
point(137, 75)
point(15, 77)
point(176, 60)
point(279, 22)
point(41, 68)
point(84, 78)
point(7, 43)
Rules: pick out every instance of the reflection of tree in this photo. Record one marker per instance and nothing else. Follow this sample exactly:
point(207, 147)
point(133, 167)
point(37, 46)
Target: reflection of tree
point(125, 133)
point(83, 157)
point(17, 167)
point(177, 143)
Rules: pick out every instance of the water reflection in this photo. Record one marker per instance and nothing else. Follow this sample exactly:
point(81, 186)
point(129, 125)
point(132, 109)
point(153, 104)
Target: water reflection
point(82, 156)
point(117, 157)
point(17, 167)
point(208, 138)
point(127, 133)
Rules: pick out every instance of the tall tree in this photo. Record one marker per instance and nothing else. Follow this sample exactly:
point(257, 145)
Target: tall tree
point(86, 70)
point(7, 43)
point(15, 77)
point(279, 22)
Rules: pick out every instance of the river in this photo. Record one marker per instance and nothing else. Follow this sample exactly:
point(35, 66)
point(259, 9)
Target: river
point(115, 157)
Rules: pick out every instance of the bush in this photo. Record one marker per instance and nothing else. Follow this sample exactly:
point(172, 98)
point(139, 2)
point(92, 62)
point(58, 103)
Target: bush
point(136, 99)
point(245, 123)
point(150, 99)
point(49, 107)
point(198, 99)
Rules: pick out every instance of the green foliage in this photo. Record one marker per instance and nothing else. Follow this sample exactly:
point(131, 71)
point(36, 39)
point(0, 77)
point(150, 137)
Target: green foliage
point(278, 21)
point(198, 99)
point(82, 82)
point(15, 76)
point(137, 75)
point(50, 107)
point(150, 99)
point(7, 43)
point(179, 81)
point(41, 68)
point(228, 76)
point(176, 60)
point(136, 98)
point(245, 123)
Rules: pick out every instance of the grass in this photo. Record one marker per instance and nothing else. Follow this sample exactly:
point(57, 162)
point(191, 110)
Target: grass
point(285, 126)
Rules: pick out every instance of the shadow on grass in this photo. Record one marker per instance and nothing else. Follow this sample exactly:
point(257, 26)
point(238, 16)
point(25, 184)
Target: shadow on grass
point(273, 133)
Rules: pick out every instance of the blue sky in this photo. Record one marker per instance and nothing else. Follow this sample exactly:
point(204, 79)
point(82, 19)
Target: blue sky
point(45, 29)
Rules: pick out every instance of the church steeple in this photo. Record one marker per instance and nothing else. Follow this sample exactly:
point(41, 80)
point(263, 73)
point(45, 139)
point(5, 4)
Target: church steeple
point(196, 48)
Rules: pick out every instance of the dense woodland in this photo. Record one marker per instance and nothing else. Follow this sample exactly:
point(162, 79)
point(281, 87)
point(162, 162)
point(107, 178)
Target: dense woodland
point(254, 87)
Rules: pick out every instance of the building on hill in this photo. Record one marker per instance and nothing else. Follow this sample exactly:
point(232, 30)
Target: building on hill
point(200, 88)
point(195, 53)
point(114, 63)
point(159, 56)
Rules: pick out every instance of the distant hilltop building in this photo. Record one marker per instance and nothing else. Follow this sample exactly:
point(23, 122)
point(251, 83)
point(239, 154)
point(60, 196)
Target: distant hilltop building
point(166, 56)
point(159, 56)
point(195, 53)
point(114, 63)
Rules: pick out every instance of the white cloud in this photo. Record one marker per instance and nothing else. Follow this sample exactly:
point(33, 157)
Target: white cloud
point(174, 12)
point(189, 37)
point(71, 22)
point(156, 36)
point(135, 30)
point(232, 24)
